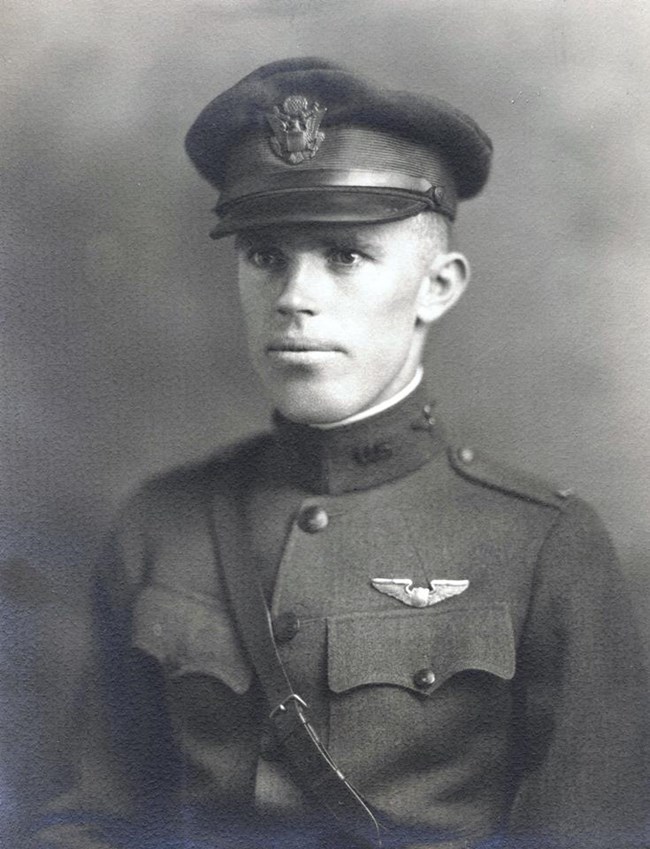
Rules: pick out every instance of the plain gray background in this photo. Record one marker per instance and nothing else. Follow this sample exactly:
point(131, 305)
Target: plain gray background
point(122, 350)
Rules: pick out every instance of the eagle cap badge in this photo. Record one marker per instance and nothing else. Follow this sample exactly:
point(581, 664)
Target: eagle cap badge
point(404, 590)
point(296, 136)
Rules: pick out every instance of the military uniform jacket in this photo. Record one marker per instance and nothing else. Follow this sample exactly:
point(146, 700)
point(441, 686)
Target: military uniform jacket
point(511, 711)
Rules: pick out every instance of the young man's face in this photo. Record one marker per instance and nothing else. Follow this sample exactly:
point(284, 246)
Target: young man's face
point(336, 315)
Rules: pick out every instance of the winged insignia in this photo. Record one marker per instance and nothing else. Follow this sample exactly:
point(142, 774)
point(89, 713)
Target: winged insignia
point(404, 590)
point(296, 136)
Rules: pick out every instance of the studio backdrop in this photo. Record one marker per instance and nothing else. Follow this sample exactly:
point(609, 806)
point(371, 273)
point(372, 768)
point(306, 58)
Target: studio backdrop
point(122, 348)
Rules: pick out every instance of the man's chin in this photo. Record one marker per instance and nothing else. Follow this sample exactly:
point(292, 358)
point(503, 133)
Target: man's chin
point(311, 414)
point(313, 405)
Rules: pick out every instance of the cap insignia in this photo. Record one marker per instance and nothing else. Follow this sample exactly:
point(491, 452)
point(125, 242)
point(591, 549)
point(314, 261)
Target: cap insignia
point(295, 129)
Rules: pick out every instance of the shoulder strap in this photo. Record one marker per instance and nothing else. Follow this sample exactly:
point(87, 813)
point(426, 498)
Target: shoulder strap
point(475, 467)
point(311, 762)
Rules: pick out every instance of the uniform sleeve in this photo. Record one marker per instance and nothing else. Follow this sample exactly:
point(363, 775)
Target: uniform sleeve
point(124, 763)
point(582, 699)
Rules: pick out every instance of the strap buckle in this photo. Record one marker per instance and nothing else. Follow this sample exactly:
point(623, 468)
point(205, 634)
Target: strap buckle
point(282, 707)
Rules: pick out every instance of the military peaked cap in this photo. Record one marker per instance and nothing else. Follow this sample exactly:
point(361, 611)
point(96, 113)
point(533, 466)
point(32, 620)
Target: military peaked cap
point(306, 140)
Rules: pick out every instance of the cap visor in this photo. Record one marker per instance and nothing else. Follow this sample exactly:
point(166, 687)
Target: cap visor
point(326, 206)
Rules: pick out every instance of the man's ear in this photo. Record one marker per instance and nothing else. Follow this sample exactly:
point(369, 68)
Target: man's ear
point(444, 283)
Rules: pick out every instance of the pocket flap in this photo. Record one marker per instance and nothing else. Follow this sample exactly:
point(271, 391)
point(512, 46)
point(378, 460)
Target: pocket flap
point(189, 634)
point(392, 648)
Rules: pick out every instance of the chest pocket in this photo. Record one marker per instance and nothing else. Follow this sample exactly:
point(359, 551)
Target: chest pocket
point(189, 634)
point(419, 649)
point(413, 688)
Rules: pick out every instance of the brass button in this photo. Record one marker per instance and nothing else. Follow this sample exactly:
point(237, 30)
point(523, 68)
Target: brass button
point(285, 627)
point(424, 678)
point(313, 519)
point(466, 455)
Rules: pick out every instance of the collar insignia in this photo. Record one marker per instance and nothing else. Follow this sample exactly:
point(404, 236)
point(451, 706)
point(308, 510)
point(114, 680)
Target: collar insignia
point(295, 129)
point(403, 590)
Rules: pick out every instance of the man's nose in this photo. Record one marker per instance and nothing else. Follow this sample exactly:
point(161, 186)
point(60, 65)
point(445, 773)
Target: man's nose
point(300, 287)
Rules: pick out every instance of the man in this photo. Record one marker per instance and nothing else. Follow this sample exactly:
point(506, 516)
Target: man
point(448, 659)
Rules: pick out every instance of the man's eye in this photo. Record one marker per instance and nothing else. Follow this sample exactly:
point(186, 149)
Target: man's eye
point(345, 256)
point(265, 258)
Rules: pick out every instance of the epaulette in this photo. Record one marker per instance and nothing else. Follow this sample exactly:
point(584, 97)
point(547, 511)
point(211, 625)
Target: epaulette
point(475, 467)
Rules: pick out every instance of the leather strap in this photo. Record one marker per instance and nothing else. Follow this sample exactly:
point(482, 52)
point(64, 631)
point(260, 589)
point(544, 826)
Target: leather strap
point(310, 760)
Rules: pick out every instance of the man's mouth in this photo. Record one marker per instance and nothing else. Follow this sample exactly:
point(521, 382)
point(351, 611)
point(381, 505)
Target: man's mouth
point(302, 351)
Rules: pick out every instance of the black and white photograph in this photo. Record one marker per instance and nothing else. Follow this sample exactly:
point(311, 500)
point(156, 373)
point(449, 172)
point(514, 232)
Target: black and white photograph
point(324, 424)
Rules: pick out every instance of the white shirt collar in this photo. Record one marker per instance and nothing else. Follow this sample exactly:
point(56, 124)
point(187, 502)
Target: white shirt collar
point(377, 408)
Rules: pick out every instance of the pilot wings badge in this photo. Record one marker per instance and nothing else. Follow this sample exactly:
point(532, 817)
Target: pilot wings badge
point(295, 130)
point(403, 590)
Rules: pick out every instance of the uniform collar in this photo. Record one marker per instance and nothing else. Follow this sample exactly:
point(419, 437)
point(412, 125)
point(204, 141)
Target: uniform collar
point(364, 453)
point(377, 408)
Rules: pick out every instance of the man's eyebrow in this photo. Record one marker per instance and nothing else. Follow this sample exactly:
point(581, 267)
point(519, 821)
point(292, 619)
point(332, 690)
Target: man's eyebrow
point(255, 241)
point(339, 238)
point(352, 240)
point(245, 240)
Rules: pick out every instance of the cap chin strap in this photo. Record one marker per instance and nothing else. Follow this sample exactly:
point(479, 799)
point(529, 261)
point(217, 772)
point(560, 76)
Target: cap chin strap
point(319, 180)
point(320, 177)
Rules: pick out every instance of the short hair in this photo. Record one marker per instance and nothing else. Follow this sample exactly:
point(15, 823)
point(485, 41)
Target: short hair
point(434, 230)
